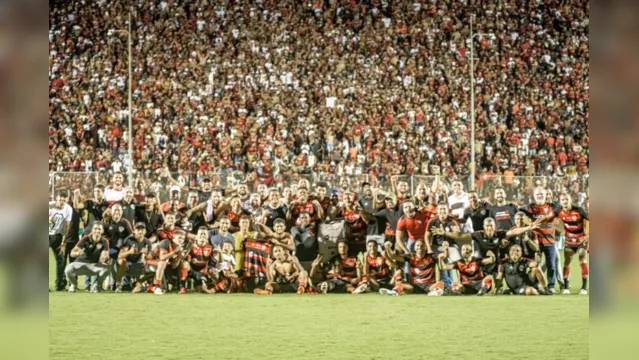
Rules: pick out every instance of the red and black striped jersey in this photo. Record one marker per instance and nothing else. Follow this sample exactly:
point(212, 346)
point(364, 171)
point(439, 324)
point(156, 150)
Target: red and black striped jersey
point(256, 255)
point(377, 267)
point(574, 220)
point(234, 218)
point(308, 207)
point(167, 245)
point(164, 233)
point(545, 234)
point(348, 267)
point(469, 272)
point(356, 225)
point(423, 269)
point(200, 257)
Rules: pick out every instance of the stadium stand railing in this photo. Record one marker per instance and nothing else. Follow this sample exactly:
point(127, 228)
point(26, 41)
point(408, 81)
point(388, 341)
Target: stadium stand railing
point(518, 188)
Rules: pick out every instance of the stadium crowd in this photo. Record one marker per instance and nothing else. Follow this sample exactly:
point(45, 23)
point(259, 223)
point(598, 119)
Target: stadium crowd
point(319, 146)
point(341, 87)
point(316, 239)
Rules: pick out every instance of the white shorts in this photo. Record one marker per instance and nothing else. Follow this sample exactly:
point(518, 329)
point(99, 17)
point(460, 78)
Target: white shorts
point(453, 253)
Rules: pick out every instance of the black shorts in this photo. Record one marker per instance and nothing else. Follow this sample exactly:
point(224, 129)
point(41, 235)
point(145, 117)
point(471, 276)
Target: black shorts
point(472, 287)
point(490, 269)
point(170, 272)
point(287, 288)
point(422, 288)
point(201, 276)
point(384, 283)
point(575, 248)
point(339, 286)
point(138, 269)
point(519, 285)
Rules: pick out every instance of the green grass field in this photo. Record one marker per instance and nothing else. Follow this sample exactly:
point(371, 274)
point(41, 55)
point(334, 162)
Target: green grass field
point(369, 326)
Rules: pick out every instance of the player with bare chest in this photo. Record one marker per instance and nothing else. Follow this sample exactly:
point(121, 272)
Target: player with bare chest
point(285, 274)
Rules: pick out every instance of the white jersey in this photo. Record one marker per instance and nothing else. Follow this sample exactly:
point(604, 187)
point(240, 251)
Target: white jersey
point(227, 263)
point(458, 204)
point(58, 218)
point(111, 195)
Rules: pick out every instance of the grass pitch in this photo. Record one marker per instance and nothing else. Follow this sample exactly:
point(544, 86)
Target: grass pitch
point(368, 326)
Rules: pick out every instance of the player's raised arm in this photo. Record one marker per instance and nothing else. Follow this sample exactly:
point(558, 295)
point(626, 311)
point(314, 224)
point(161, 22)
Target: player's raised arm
point(270, 271)
point(388, 254)
point(197, 208)
point(165, 255)
point(490, 259)
point(518, 231)
point(78, 249)
point(441, 257)
point(287, 242)
point(318, 209)
point(366, 216)
point(77, 202)
point(315, 266)
point(457, 236)
point(399, 239)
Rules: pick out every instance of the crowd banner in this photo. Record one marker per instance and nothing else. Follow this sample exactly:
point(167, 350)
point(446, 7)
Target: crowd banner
point(328, 235)
point(256, 255)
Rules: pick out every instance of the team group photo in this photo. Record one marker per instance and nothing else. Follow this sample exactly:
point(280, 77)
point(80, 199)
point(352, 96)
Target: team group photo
point(319, 173)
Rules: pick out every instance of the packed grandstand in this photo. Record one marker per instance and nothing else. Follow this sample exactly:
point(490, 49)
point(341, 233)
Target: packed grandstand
point(279, 139)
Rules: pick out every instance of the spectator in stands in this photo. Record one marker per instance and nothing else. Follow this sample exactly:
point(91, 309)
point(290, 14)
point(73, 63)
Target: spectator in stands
point(371, 88)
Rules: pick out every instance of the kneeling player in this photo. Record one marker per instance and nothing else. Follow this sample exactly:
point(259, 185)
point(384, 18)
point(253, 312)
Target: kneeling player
point(522, 275)
point(376, 270)
point(201, 263)
point(423, 268)
point(344, 273)
point(286, 273)
point(131, 259)
point(170, 256)
point(227, 279)
point(471, 276)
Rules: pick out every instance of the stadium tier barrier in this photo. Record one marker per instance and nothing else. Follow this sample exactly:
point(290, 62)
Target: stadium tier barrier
point(518, 188)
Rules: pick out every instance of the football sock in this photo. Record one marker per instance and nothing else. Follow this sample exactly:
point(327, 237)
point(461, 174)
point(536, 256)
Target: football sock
point(584, 275)
point(584, 270)
point(487, 283)
point(566, 276)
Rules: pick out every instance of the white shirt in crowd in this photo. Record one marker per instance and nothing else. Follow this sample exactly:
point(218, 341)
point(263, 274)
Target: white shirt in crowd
point(457, 204)
point(111, 195)
point(58, 218)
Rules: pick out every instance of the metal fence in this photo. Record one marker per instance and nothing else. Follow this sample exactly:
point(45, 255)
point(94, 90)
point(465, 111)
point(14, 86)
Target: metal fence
point(518, 188)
